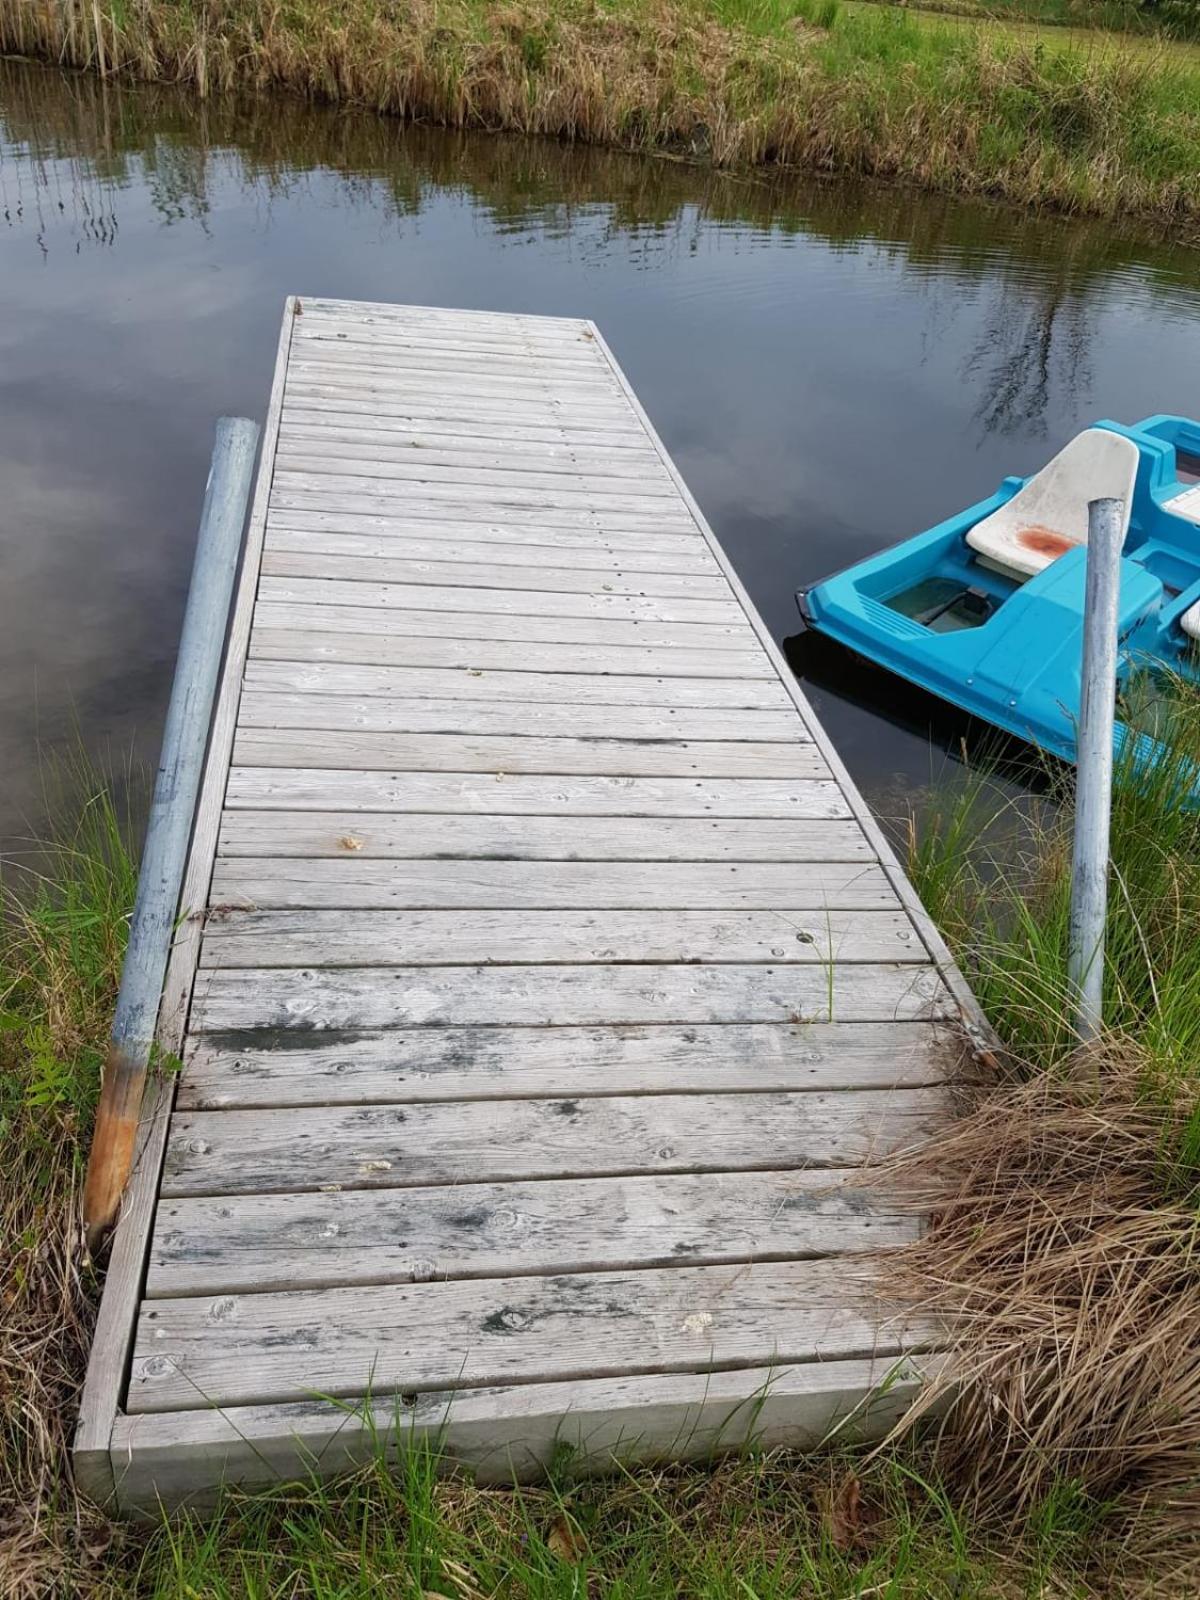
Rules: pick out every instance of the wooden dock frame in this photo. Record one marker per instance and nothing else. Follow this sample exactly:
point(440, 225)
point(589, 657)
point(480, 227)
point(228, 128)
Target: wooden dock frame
point(793, 1060)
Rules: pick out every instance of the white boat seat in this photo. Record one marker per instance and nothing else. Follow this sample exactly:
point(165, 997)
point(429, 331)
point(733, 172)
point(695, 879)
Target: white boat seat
point(1186, 504)
point(1049, 516)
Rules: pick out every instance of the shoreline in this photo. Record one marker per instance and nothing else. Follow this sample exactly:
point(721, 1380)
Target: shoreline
point(963, 111)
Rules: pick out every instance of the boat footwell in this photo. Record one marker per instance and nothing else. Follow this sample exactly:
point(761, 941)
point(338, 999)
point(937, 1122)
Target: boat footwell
point(1018, 667)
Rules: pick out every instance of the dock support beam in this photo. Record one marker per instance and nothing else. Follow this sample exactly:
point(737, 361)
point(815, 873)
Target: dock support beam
point(176, 786)
point(1093, 787)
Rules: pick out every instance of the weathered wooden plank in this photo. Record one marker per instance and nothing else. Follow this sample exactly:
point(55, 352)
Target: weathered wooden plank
point(287, 1150)
point(497, 509)
point(339, 1342)
point(535, 369)
point(542, 718)
point(519, 397)
point(464, 938)
point(405, 1065)
point(397, 626)
point(548, 354)
point(508, 558)
point(332, 418)
point(530, 794)
point(367, 835)
point(527, 688)
point(519, 1432)
point(480, 489)
point(551, 996)
point(284, 560)
point(392, 472)
point(378, 441)
point(446, 883)
point(498, 754)
point(433, 447)
point(396, 469)
point(594, 407)
point(384, 314)
point(514, 374)
point(602, 540)
point(338, 351)
point(486, 1230)
point(552, 374)
point(527, 330)
point(306, 644)
point(417, 405)
point(415, 351)
point(468, 606)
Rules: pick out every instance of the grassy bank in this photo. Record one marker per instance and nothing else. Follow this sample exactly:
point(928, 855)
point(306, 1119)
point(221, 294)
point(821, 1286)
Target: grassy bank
point(794, 82)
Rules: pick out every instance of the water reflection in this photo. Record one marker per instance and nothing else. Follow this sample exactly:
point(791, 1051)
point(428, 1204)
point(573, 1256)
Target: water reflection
point(833, 366)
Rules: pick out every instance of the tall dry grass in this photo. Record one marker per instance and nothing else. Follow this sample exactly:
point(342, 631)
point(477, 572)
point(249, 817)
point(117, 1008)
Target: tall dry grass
point(794, 82)
point(1064, 1255)
point(1064, 1260)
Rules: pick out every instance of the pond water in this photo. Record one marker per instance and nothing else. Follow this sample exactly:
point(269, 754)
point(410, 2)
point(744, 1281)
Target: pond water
point(832, 366)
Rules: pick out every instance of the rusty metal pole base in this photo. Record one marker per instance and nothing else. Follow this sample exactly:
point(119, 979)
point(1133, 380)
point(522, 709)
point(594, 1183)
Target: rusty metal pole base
point(112, 1152)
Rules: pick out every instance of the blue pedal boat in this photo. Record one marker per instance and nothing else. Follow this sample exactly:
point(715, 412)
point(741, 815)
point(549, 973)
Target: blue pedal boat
point(986, 609)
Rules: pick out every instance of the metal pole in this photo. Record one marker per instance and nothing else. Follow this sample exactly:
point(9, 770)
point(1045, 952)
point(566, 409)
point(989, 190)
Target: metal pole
point(176, 786)
point(1093, 786)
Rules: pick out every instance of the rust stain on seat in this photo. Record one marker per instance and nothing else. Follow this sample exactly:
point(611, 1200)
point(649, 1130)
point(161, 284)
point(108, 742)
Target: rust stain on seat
point(1044, 541)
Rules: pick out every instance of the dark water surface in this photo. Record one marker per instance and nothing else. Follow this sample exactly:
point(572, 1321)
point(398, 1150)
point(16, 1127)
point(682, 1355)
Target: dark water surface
point(833, 367)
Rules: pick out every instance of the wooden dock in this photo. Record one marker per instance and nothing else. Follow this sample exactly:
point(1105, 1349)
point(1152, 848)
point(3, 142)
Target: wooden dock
point(543, 976)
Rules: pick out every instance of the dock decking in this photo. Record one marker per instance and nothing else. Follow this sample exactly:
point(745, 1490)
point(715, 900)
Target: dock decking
point(551, 977)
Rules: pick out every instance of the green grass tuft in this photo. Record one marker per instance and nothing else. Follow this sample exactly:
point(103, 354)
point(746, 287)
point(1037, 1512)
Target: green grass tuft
point(64, 911)
point(997, 881)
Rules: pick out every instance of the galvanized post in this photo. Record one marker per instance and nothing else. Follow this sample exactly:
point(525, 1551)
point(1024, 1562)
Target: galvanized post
point(1093, 785)
point(168, 830)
